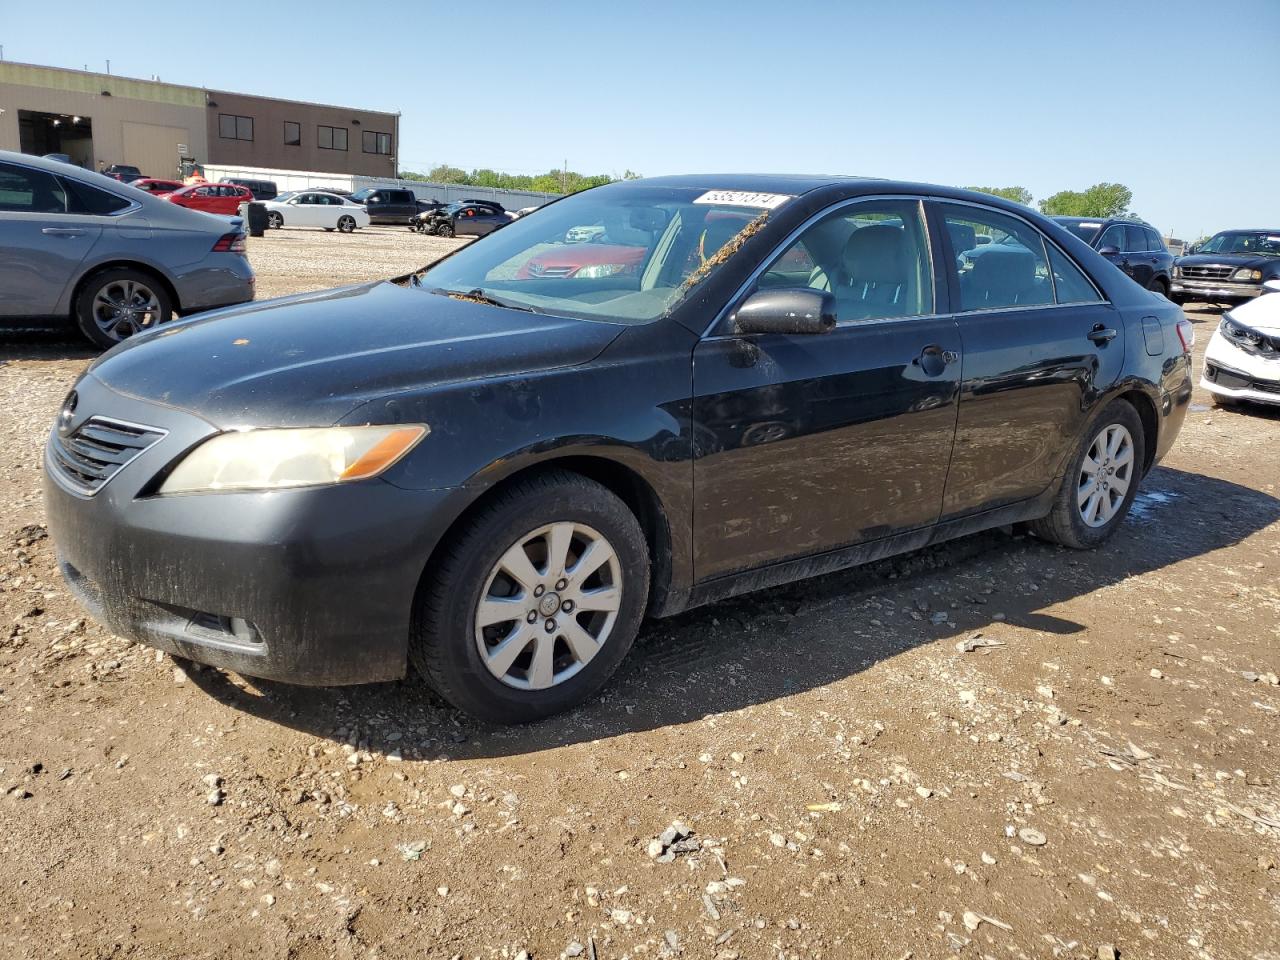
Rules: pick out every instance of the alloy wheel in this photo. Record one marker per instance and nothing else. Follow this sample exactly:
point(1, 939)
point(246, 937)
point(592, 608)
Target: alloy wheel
point(1105, 475)
point(548, 606)
point(122, 308)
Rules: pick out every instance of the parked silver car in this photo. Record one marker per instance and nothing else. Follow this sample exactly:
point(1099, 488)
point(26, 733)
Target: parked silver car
point(115, 260)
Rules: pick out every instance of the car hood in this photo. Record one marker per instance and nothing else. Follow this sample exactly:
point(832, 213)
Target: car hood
point(1261, 313)
point(311, 359)
point(1228, 260)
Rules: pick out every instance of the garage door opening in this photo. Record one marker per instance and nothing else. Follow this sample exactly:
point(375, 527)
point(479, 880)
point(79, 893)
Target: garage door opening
point(41, 133)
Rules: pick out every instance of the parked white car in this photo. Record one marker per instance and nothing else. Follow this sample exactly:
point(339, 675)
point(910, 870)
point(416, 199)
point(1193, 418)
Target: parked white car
point(1242, 361)
point(314, 208)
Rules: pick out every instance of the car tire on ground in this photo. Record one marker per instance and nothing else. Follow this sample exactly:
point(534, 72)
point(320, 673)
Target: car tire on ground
point(532, 606)
point(1160, 286)
point(346, 223)
point(444, 230)
point(1225, 402)
point(115, 304)
point(275, 220)
point(1100, 483)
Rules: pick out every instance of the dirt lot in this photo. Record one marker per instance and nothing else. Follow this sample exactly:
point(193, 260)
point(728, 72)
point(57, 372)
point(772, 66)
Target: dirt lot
point(855, 784)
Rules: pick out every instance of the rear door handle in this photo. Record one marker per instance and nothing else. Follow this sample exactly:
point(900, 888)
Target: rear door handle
point(62, 232)
point(1101, 334)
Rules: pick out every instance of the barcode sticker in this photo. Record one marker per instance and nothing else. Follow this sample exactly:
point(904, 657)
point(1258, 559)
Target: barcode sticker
point(741, 198)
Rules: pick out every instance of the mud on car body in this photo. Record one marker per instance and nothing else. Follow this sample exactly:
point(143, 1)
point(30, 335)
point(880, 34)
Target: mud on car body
point(493, 476)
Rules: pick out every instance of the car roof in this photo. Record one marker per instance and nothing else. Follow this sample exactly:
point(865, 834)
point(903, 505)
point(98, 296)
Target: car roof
point(1250, 230)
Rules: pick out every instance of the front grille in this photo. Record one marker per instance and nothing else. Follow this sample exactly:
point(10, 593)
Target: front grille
point(540, 270)
point(98, 449)
point(1206, 273)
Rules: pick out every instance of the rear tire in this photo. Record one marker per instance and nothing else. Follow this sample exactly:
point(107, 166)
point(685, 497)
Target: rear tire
point(464, 662)
point(116, 304)
point(346, 223)
point(1089, 506)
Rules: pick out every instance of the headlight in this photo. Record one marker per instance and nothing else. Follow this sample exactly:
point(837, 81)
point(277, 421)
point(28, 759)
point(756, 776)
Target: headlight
point(1247, 275)
point(597, 270)
point(306, 457)
point(1177, 271)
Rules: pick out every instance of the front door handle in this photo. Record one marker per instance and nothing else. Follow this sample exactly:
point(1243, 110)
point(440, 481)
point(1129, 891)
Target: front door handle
point(62, 232)
point(1101, 334)
point(933, 360)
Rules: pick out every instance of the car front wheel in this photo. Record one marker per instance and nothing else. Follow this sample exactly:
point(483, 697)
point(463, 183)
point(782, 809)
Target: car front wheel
point(530, 609)
point(444, 230)
point(1101, 481)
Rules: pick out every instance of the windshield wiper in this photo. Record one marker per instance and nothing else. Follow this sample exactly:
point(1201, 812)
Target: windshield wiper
point(479, 296)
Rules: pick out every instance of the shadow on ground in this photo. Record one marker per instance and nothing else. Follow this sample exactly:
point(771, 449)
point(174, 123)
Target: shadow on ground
point(784, 641)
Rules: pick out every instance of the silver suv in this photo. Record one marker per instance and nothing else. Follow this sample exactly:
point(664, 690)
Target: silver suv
point(115, 260)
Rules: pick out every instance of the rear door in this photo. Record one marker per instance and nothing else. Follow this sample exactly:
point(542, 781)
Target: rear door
point(1039, 345)
point(805, 444)
point(42, 243)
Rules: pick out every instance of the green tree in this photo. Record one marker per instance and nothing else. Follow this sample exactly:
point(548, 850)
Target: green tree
point(630, 175)
point(1017, 194)
point(1100, 200)
point(447, 174)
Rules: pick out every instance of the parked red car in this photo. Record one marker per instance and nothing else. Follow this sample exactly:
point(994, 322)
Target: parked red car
point(220, 198)
point(152, 185)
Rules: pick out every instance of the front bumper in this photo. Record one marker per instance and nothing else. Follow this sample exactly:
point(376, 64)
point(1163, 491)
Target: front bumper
point(1213, 291)
point(1232, 372)
point(311, 586)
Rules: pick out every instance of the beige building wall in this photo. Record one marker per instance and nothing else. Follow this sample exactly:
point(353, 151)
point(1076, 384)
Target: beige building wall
point(141, 122)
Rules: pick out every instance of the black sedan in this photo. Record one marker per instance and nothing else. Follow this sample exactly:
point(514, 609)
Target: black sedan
point(1135, 247)
point(496, 475)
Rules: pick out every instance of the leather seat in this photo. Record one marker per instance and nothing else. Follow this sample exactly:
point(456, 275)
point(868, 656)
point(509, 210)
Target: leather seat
point(1001, 278)
point(875, 274)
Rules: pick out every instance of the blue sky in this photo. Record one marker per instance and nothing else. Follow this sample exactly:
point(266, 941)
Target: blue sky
point(1173, 98)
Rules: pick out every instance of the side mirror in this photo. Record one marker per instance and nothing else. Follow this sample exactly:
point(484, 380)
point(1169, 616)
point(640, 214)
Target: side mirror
point(793, 310)
point(1272, 286)
point(1110, 250)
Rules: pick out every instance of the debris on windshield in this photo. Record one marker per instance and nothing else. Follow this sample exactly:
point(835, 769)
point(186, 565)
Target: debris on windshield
point(725, 252)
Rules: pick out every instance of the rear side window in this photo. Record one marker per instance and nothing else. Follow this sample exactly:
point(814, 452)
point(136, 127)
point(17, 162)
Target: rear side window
point(1070, 284)
point(23, 190)
point(83, 198)
point(1006, 266)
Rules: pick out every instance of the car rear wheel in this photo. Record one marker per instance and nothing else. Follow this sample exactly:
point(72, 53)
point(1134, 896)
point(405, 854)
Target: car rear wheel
point(275, 220)
point(1101, 481)
point(444, 230)
point(346, 223)
point(115, 304)
point(531, 607)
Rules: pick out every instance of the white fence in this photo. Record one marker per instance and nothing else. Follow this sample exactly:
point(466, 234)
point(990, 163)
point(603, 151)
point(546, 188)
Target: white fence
point(444, 192)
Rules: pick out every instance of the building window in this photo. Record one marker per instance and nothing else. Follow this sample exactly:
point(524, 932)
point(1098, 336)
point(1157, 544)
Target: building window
point(231, 127)
point(377, 142)
point(292, 134)
point(331, 138)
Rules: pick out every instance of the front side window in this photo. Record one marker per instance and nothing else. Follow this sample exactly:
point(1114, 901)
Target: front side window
point(625, 253)
point(30, 191)
point(1137, 241)
point(873, 257)
point(1006, 267)
point(292, 134)
point(1113, 237)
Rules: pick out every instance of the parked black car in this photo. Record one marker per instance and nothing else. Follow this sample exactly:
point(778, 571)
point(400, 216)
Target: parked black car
point(1230, 267)
point(496, 478)
point(387, 205)
point(123, 172)
point(1135, 247)
point(467, 218)
point(261, 189)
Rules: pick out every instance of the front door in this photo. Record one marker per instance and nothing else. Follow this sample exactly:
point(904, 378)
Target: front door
point(42, 244)
point(1039, 345)
point(805, 444)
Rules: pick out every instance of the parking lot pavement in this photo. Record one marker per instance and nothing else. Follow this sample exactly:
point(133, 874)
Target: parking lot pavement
point(862, 774)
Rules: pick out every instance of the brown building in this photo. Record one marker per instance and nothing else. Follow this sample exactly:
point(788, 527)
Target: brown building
point(99, 119)
point(248, 131)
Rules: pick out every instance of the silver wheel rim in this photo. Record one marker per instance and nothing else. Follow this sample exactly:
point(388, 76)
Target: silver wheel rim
point(548, 606)
point(277, 221)
point(122, 308)
point(346, 224)
point(1105, 475)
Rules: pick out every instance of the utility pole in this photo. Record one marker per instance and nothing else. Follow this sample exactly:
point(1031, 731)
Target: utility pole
point(108, 68)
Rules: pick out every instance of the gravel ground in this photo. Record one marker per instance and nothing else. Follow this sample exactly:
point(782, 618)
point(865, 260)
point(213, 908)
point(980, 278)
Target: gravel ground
point(1093, 776)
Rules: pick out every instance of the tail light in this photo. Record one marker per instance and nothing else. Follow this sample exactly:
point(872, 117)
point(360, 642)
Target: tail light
point(1187, 334)
point(230, 243)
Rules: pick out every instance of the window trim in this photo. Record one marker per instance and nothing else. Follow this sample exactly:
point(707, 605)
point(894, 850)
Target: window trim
point(346, 137)
point(236, 118)
point(287, 141)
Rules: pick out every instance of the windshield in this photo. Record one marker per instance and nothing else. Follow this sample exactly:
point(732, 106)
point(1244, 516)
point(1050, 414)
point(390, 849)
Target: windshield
point(282, 197)
point(1263, 244)
point(1086, 230)
point(361, 195)
point(623, 253)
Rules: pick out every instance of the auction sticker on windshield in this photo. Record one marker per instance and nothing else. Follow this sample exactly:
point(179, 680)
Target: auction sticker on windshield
point(741, 198)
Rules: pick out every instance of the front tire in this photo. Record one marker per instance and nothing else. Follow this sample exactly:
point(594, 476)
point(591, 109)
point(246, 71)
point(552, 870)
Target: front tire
point(1160, 286)
point(444, 230)
point(1101, 481)
point(115, 304)
point(532, 606)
